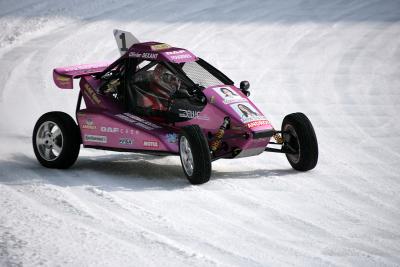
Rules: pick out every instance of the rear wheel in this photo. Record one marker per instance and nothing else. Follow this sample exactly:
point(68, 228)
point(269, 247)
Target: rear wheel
point(56, 140)
point(299, 137)
point(195, 155)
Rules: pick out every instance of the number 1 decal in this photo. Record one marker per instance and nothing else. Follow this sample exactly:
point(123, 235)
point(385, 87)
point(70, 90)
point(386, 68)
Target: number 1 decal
point(122, 37)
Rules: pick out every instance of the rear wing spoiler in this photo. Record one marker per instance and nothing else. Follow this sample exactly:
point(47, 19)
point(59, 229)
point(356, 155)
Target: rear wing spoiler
point(63, 76)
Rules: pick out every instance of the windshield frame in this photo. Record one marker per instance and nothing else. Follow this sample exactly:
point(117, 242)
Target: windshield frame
point(177, 69)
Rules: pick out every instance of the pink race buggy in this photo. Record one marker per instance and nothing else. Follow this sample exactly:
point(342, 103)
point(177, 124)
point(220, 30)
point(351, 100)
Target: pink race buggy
point(161, 100)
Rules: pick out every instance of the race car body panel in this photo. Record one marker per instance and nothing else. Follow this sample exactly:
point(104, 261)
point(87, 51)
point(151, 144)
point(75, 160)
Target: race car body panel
point(125, 132)
point(160, 52)
point(245, 120)
point(63, 76)
point(93, 99)
point(105, 125)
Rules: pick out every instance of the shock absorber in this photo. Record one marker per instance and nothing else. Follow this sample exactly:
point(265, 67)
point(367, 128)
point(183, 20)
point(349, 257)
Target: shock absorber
point(216, 143)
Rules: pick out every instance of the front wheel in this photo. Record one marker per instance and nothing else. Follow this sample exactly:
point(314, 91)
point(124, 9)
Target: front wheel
point(56, 140)
point(195, 155)
point(300, 139)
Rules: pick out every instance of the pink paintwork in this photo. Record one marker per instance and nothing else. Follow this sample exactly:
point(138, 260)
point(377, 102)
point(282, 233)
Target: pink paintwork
point(104, 124)
point(217, 110)
point(124, 131)
point(63, 77)
point(160, 52)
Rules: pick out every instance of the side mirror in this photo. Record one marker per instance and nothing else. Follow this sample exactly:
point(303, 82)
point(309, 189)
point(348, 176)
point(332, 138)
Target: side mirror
point(244, 86)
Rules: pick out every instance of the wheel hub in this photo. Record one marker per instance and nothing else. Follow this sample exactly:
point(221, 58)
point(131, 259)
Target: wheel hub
point(292, 140)
point(186, 155)
point(49, 140)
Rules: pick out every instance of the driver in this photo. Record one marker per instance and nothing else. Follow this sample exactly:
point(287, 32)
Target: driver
point(162, 86)
point(166, 80)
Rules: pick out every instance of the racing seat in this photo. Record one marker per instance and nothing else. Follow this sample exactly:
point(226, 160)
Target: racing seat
point(138, 103)
point(130, 100)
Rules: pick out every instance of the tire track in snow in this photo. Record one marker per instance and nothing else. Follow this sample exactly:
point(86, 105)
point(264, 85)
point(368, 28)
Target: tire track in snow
point(168, 234)
point(293, 224)
point(303, 50)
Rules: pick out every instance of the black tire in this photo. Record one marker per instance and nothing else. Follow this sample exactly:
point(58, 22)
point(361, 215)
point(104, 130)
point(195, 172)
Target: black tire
point(201, 158)
point(69, 142)
point(302, 139)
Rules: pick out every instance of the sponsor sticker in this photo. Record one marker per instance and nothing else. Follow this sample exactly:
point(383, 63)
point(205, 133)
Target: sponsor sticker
point(142, 120)
point(149, 55)
point(63, 81)
point(143, 55)
point(89, 125)
point(142, 123)
point(144, 126)
point(121, 116)
point(159, 47)
point(257, 123)
point(249, 115)
point(175, 52)
point(135, 54)
point(86, 67)
point(212, 99)
point(183, 56)
point(105, 129)
point(63, 78)
point(178, 54)
point(95, 138)
point(150, 143)
point(91, 94)
point(116, 130)
point(191, 114)
point(228, 95)
point(172, 138)
point(125, 141)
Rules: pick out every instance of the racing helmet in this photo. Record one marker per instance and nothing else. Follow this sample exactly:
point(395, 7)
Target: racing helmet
point(166, 79)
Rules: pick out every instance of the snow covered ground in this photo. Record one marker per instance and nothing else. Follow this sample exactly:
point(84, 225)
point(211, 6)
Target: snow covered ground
point(336, 61)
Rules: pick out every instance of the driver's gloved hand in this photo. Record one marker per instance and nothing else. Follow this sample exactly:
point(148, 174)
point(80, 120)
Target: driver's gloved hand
point(182, 93)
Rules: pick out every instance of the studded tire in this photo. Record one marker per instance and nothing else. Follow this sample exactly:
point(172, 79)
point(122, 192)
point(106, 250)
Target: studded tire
point(56, 140)
point(195, 155)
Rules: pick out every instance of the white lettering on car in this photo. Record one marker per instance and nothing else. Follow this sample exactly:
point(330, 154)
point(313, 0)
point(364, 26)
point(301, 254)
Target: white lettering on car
point(180, 57)
point(143, 55)
point(191, 114)
point(142, 123)
point(96, 138)
point(109, 129)
point(257, 123)
point(150, 143)
point(175, 52)
point(116, 130)
point(125, 141)
point(149, 55)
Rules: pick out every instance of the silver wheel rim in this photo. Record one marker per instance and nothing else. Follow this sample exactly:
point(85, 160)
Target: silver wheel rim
point(186, 155)
point(295, 158)
point(49, 140)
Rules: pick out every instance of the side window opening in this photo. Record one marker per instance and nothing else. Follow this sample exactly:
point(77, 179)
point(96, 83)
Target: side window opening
point(113, 83)
point(153, 85)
